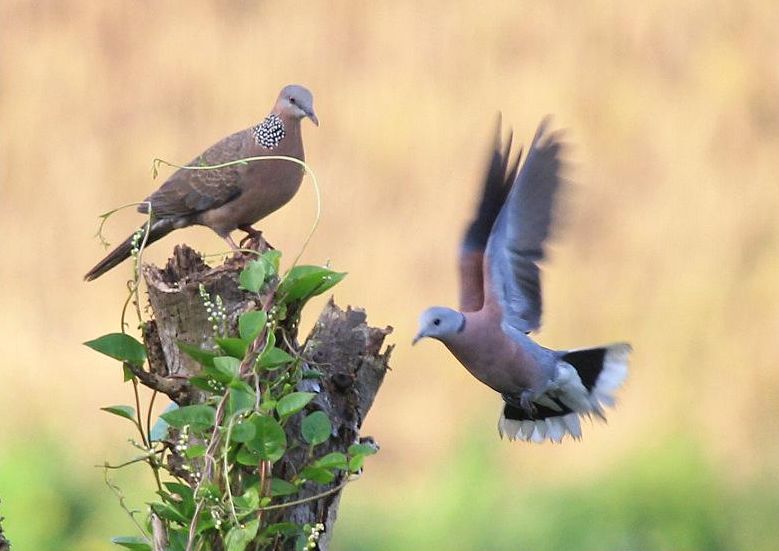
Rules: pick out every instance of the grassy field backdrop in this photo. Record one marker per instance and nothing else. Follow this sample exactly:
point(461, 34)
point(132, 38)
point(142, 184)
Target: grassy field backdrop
point(670, 242)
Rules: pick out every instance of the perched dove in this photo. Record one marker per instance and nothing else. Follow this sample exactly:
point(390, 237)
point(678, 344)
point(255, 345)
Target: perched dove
point(545, 391)
point(236, 196)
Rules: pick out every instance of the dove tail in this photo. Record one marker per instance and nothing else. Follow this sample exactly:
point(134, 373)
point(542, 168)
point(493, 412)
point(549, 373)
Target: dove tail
point(602, 370)
point(599, 373)
point(123, 251)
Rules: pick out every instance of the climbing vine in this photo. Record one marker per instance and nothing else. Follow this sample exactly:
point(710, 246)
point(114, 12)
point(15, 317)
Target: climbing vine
point(212, 461)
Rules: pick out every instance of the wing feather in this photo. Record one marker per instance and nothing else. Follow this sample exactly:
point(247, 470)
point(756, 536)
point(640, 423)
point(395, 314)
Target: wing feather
point(188, 192)
point(516, 243)
point(495, 187)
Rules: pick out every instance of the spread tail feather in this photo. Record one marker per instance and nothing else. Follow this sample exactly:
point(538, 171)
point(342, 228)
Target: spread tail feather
point(599, 373)
point(159, 229)
point(602, 370)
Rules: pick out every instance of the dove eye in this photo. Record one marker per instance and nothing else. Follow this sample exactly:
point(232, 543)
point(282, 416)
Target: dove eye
point(292, 100)
point(436, 321)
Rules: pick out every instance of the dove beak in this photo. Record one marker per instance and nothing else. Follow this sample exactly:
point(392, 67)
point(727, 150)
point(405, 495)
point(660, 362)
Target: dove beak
point(311, 115)
point(416, 339)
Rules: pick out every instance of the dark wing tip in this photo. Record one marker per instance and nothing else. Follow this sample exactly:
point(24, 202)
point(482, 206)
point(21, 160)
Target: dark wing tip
point(498, 179)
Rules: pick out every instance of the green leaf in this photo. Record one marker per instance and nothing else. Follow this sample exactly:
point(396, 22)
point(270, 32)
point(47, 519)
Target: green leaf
point(127, 374)
point(312, 374)
point(195, 450)
point(232, 346)
point(242, 398)
point(251, 324)
point(181, 497)
point(120, 346)
point(316, 428)
point(122, 411)
point(242, 432)
point(253, 276)
point(284, 528)
point(132, 542)
point(269, 439)
point(204, 523)
point(355, 463)
point(238, 538)
point(168, 512)
point(223, 370)
point(209, 492)
point(279, 487)
point(250, 499)
point(318, 474)
point(244, 386)
point(268, 405)
point(203, 357)
point(361, 449)
point(273, 357)
point(292, 403)
point(248, 457)
point(334, 460)
point(303, 282)
point(207, 383)
point(272, 259)
point(177, 539)
point(198, 416)
point(181, 489)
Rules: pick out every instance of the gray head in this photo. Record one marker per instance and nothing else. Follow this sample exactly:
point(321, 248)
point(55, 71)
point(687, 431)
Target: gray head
point(439, 322)
point(297, 102)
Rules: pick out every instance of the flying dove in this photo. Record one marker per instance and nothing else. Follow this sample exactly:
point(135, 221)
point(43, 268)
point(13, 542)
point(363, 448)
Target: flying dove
point(236, 196)
point(545, 392)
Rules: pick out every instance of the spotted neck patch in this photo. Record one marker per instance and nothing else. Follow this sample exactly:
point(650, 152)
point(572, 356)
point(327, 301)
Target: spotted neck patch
point(269, 132)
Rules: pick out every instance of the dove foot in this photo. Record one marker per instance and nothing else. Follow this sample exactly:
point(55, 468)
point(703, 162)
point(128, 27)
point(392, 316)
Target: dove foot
point(251, 234)
point(231, 243)
point(254, 240)
point(526, 402)
point(522, 400)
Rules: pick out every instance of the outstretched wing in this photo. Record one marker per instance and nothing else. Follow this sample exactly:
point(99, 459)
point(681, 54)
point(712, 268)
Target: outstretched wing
point(495, 188)
point(516, 243)
point(188, 192)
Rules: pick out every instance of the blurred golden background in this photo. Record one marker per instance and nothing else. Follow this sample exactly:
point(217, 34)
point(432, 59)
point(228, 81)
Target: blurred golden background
point(670, 242)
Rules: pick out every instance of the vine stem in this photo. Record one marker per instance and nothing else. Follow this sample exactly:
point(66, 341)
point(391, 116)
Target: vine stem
point(209, 463)
point(265, 470)
point(149, 412)
point(118, 493)
point(226, 468)
point(338, 488)
point(131, 461)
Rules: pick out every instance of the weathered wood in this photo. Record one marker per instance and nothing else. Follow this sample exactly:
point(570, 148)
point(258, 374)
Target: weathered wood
point(341, 346)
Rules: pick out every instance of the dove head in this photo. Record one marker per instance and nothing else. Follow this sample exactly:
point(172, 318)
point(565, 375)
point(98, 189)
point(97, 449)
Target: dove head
point(296, 101)
point(439, 322)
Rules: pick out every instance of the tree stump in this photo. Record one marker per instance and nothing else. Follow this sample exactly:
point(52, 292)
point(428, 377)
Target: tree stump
point(342, 347)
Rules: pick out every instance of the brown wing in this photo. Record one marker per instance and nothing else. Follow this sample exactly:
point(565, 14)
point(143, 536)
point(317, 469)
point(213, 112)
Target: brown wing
point(188, 192)
point(495, 188)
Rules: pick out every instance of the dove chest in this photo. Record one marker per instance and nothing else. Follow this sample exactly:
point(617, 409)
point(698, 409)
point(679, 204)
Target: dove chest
point(270, 185)
point(492, 357)
point(266, 185)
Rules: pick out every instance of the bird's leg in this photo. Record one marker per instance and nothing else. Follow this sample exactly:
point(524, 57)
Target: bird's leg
point(253, 238)
point(526, 401)
point(229, 240)
point(251, 233)
point(523, 400)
